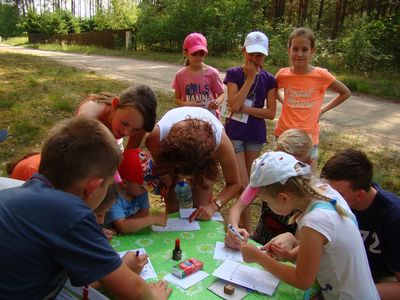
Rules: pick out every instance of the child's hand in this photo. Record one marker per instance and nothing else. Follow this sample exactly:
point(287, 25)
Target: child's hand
point(213, 105)
point(109, 233)
point(233, 242)
point(250, 252)
point(279, 253)
point(160, 220)
point(250, 70)
point(135, 263)
point(160, 290)
point(285, 241)
point(281, 246)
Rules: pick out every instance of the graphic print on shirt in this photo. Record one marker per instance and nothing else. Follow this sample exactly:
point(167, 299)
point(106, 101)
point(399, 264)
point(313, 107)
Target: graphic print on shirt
point(195, 94)
point(300, 98)
point(371, 242)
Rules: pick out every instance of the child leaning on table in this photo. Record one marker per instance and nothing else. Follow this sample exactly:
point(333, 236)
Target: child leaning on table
point(130, 213)
point(331, 249)
point(297, 143)
point(48, 228)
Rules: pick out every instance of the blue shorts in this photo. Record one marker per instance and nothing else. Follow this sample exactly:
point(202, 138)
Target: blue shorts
point(241, 146)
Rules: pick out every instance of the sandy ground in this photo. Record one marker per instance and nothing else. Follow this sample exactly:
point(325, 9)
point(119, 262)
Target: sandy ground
point(373, 119)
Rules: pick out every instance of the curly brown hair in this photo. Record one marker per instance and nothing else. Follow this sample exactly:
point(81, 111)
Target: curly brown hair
point(189, 149)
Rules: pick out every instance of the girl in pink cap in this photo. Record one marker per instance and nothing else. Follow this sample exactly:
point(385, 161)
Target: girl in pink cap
point(198, 84)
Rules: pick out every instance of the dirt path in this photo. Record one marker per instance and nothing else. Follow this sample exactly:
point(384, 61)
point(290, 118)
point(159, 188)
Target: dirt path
point(374, 120)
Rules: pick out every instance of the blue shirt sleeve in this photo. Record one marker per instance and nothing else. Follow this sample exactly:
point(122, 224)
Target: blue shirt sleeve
point(116, 212)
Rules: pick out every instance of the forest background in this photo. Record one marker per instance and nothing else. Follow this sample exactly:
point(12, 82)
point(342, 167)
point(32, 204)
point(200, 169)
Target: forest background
point(359, 39)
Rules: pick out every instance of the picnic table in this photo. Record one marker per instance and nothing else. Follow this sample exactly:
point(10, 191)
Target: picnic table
point(197, 244)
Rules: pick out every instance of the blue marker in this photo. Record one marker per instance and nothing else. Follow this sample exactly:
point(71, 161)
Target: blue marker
point(235, 232)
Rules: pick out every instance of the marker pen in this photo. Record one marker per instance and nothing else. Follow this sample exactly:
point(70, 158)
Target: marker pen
point(235, 232)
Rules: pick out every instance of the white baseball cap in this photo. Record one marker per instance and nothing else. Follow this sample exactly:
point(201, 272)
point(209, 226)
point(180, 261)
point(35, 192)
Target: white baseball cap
point(272, 167)
point(256, 41)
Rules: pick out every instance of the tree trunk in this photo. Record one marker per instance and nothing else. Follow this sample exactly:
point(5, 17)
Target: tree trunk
point(321, 6)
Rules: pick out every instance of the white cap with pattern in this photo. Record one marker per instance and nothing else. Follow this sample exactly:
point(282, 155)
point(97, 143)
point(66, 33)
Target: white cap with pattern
point(256, 41)
point(272, 167)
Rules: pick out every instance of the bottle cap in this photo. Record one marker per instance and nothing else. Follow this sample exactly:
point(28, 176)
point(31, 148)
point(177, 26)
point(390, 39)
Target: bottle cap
point(177, 243)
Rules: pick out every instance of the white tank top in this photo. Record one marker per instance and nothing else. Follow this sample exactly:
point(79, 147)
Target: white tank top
point(182, 113)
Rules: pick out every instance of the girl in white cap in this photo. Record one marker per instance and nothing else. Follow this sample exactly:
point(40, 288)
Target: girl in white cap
point(330, 245)
point(198, 84)
point(251, 94)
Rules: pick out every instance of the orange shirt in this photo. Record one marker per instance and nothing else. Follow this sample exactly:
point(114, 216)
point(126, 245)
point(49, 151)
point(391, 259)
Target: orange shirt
point(303, 98)
point(26, 167)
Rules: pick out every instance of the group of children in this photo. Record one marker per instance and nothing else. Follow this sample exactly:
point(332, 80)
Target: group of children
point(190, 143)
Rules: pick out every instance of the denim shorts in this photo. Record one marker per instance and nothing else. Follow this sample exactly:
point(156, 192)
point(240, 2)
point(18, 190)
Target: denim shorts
point(241, 146)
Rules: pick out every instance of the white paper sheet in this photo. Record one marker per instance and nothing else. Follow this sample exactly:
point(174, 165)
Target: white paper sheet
point(186, 282)
point(69, 292)
point(241, 117)
point(223, 253)
point(148, 270)
point(186, 212)
point(176, 224)
point(250, 277)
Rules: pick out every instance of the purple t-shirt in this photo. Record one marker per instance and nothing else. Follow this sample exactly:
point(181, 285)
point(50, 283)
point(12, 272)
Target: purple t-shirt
point(254, 131)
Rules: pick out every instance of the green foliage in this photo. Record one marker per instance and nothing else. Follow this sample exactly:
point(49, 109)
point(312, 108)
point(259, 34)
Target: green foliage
point(58, 22)
point(9, 19)
point(121, 14)
point(373, 44)
point(166, 27)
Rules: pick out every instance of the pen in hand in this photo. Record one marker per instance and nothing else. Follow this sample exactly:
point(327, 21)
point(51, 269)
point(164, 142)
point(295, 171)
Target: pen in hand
point(235, 232)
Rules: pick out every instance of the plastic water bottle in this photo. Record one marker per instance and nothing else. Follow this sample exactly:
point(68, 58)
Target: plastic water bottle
point(183, 192)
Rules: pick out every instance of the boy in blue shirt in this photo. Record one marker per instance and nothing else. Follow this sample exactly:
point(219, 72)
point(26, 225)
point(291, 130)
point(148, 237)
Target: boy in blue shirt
point(130, 212)
point(48, 229)
point(377, 211)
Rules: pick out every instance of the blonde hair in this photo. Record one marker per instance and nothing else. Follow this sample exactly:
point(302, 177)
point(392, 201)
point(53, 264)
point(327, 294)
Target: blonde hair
point(295, 142)
point(300, 186)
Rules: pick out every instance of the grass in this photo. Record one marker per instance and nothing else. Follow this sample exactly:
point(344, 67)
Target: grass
point(35, 93)
point(379, 84)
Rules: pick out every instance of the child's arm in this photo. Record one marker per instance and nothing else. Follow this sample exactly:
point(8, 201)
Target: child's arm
point(301, 276)
point(267, 112)
point(279, 96)
point(343, 91)
point(136, 224)
point(152, 141)
point(125, 284)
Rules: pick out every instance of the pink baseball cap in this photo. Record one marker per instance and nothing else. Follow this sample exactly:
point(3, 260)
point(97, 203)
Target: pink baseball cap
point(269, 168)
point(195, 42)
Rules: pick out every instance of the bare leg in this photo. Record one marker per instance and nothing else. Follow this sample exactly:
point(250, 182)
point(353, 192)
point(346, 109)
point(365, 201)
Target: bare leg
point(245, 218)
